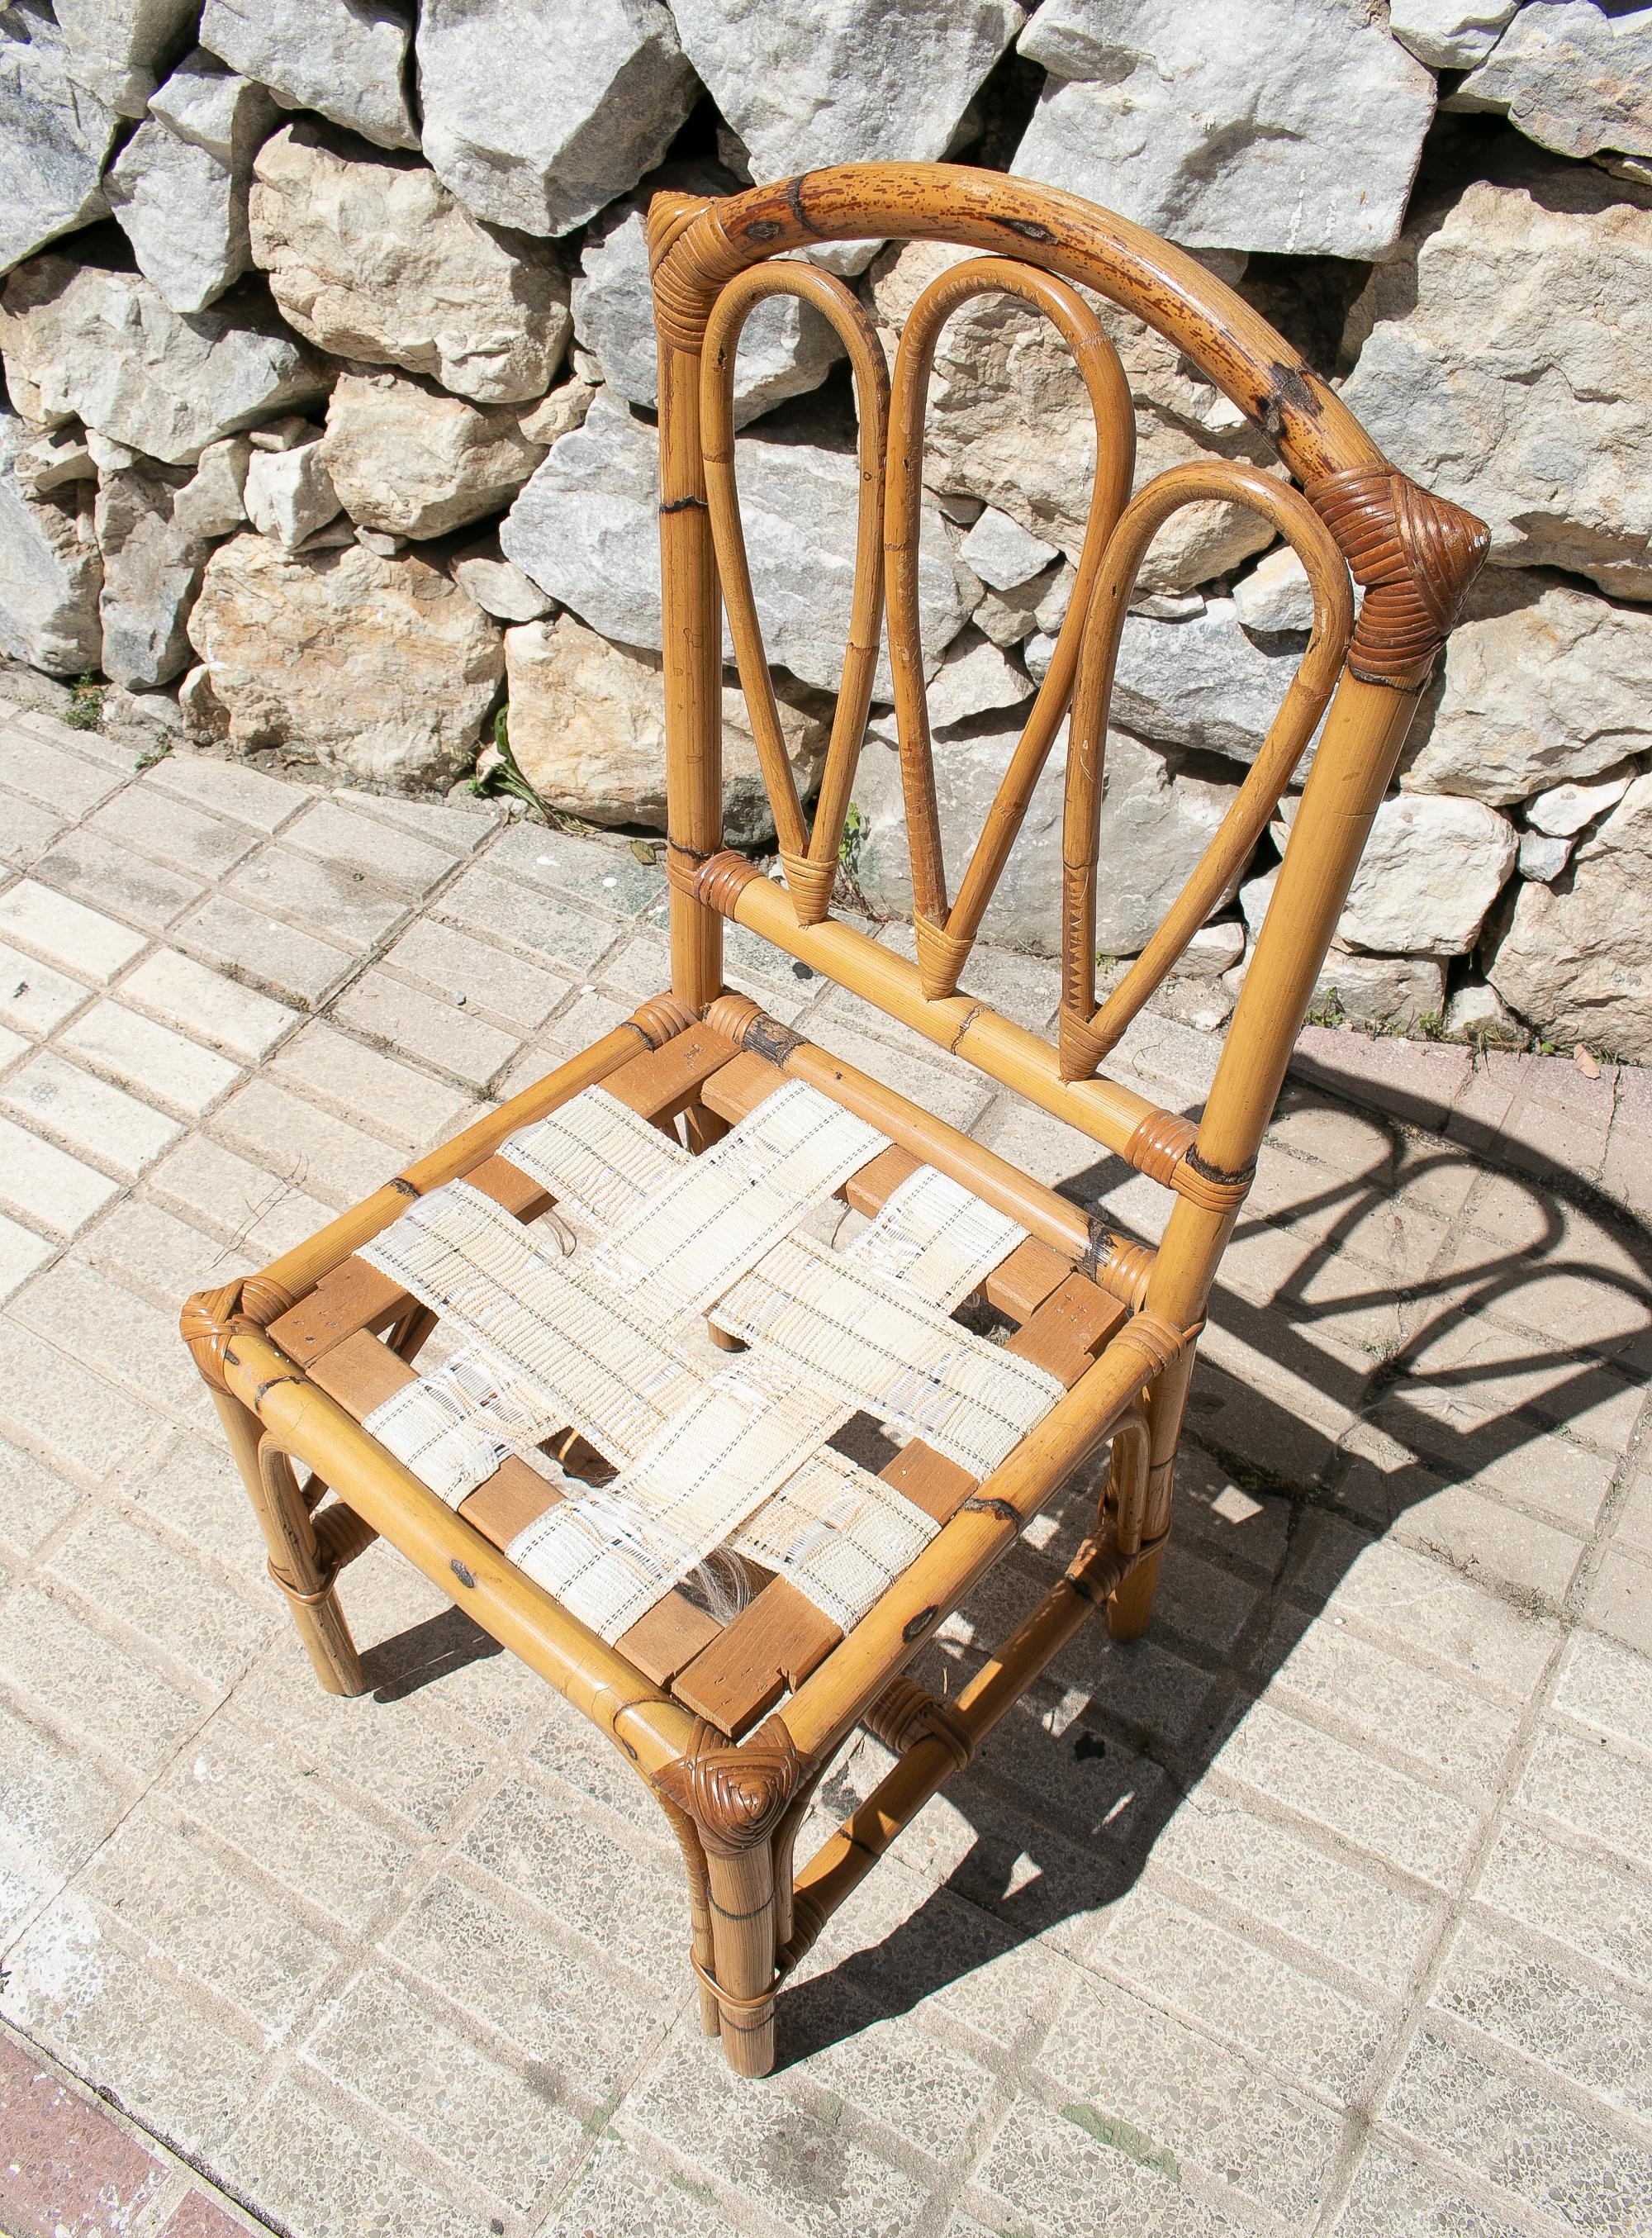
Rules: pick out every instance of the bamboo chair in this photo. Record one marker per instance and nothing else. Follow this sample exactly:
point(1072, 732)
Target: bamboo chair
point(724, 1127)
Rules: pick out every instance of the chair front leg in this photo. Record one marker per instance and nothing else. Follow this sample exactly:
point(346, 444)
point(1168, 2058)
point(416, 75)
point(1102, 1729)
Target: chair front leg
point(1143, 1471)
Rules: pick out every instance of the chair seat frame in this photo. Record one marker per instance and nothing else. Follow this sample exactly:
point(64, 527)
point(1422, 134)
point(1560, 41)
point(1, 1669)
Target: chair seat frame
point(295, 1356)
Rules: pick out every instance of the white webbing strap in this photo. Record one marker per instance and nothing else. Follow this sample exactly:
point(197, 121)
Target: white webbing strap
point(812, 1314)
point(838, 1535)
point(609, 1555)
point(566, 1350)
point(720, 1214)
point(599, 1159)
point(936, 1238)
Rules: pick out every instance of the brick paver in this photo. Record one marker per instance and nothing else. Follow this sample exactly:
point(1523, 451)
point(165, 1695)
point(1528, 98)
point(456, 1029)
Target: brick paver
point(1327, 1909)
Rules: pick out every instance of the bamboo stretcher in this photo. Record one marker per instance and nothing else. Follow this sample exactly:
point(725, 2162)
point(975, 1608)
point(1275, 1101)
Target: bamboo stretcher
point(732, 1715)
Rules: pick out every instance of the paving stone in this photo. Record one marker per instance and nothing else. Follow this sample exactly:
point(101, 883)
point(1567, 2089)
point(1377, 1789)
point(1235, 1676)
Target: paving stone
point(616, 2192)
point(603, 872)
point(548, 927)
point(586, 1020)
point(340, 904)
point(316, 2174)
point(50, 924)
point(12, 1046)
point(798, 2167)
point(1597, 2037)
point(355, 843)
point(78, 1307)
point(314, 1150)
point(85, 864)
point(26, 830)
point(259, 1214)
point(127, 1572)
point(201, 2217)
point(398, 1102)
point(1059, 2175)
point(1337, 1911)
point(160, 1257)
point(207, 1005)
point(957, 1094)
point(218, 1925)
point(582, 2025)
point(1222, 1980)
point(193, 1488)
point(1597, 1903)
point(896, 2074)
point(601, 1886)
point(33, 997)
point(88, 1114)
point(500, 2124)
point(88, 746)
point(68, 782)
point(1537, 2147)
point(1485, 1538)
point(161, 826)
point(22, 1254)
point(52, 1405)
point(34, 1499)
point(107, 1696)
point(461, 825)
point(171, 1070)
point(1170, 2098)
point(55, 1807)
point(69, 2171)
point(439, 1033)
point(228, 788)
point(1603, 1686)
point(1591, 1789)
point(284, 962)
point(1619, 1599)
point(288, 1824)
point(1394, 2196)
point(1420, 1829)
point(498, 985)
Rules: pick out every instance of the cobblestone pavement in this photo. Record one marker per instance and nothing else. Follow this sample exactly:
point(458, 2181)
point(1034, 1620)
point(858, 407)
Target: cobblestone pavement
point(1328, 1907)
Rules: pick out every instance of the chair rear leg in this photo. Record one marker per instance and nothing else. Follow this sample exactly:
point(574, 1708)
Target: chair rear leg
point(1130, 1608)
point(296, 1562)
point(742, 1891)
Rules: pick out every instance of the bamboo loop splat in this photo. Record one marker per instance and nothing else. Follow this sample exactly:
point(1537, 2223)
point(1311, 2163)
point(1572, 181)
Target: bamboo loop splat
point(945, 935)
point(810, 856)
point(1086, 1035)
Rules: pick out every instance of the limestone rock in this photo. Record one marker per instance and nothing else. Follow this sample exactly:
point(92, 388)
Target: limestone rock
point(409, 459)
point(178, 189)
point(1575, 959)
point(1507, 363)
point(1009, 422)
point(204, 717)
point(213, 502)
point(558, 413)
point(50, 568)
point(1201, 682)
point(586, 529)
point(1573, 76)
point(1542, 684)
point(785, 346)
point(383, 667)
point(1291, 125)
point(152, 569)
point(588, 727)
point(46, 461)
point(1384, 994)
point(289, 493)
point(1477, 1014)
point(498, 585)
point(1275, 596)
point(537, 118)
point(104, 347)
point(345, 58)
point(974, 679)
point(1214, 949)
point(1450, 34)
point(1002, 553)
point(1431, 869)
point(374, 260)
point(1542, 856)
point(55, 134)
point(118, 49)
point(1565, 809)
point(804, 85)
point(1156, 822)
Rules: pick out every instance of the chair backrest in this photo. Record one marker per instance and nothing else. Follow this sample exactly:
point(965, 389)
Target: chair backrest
point(1413, 554)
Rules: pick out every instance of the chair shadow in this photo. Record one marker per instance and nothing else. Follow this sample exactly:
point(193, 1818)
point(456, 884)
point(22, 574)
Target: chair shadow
point(1063, 1807)
point(425, 1652)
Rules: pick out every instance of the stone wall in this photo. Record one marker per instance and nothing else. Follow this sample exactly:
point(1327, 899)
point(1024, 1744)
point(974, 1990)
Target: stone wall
point(330, 381)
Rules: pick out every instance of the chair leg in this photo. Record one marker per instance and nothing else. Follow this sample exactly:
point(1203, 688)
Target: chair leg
point(1130, 1608)
point(296, 1564)
point(742, 1891)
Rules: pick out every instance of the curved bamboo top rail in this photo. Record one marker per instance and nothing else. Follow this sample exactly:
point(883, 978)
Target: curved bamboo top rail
point(695, 253)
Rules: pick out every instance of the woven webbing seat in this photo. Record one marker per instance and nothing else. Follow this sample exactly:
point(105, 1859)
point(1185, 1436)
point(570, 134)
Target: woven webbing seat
point(616, 1366)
